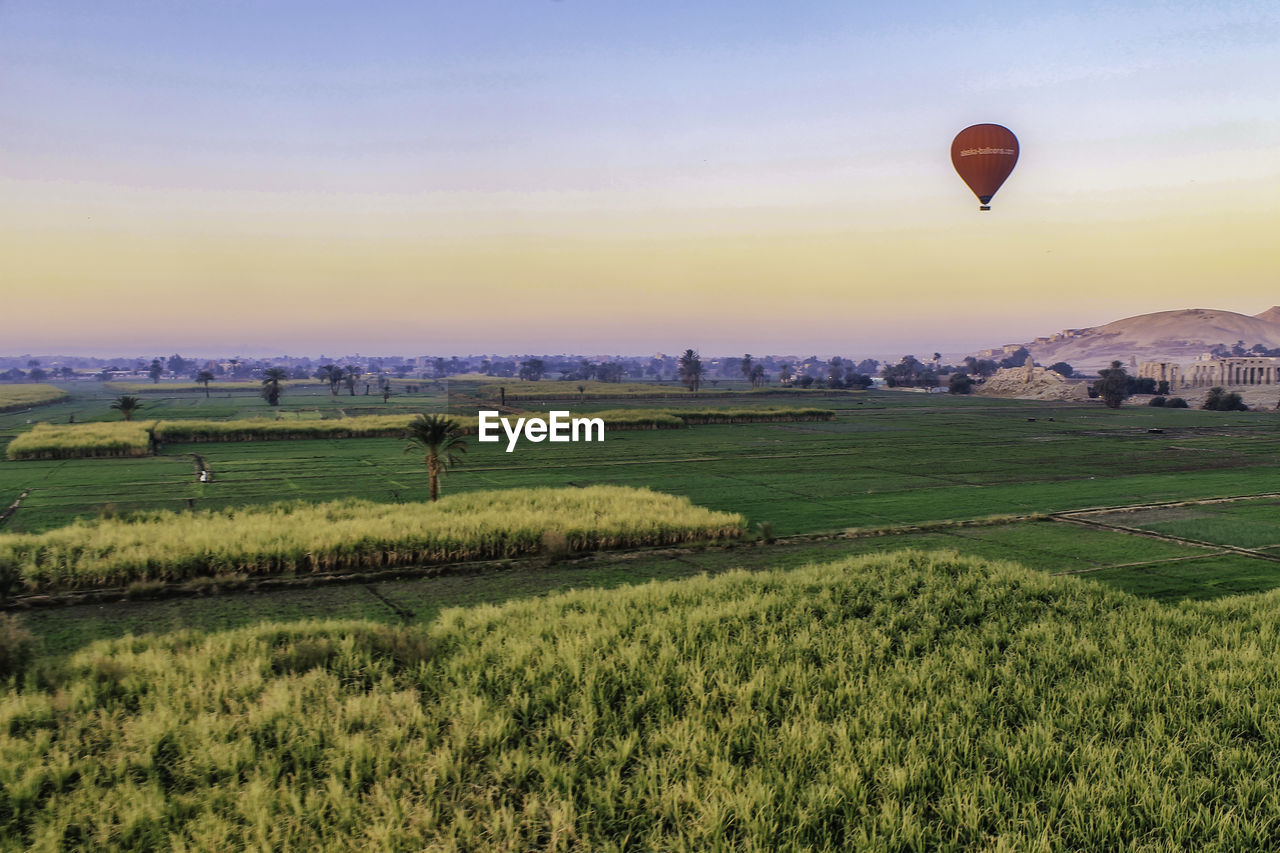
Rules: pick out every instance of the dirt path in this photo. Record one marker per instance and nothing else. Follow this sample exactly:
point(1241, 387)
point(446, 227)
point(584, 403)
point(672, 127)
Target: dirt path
point(13, 507)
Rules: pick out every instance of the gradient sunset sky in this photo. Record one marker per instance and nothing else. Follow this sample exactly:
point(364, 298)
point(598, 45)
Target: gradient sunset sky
point(622, 177)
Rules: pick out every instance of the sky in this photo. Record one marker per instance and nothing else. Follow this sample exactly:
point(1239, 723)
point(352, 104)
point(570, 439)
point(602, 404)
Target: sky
point(586, 176)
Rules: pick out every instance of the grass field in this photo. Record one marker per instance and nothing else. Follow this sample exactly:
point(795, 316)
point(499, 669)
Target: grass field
point(884, 703)
point(546, 390)
point(1244, 524)
point(47, 441)
point(888, 459)
point(303, 537)
point(896, 459)
point(1164, 571)
point(14, 397)
point(875, 699)
point(169, 387)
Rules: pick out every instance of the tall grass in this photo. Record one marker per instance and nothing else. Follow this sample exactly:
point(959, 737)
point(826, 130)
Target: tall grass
point(66, 441)
point(263, 429)
point(21, 396)
point(677, 418)
point(912, 702)
point(547, 390)
point(354, 534)
point(169, 387)
point(130, 438)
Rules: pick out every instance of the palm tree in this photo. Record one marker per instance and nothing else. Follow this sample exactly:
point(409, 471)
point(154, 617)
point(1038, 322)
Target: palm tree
point(332, 374)
point(691, 370)
point(441, 438)
point(271, 387)
point(350, 374)
point(205, 377)
point(127, 405)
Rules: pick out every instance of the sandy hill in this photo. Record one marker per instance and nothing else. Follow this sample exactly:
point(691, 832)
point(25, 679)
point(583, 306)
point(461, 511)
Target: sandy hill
point(1163, 336)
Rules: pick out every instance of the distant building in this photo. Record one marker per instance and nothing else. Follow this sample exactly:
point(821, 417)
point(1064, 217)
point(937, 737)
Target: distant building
point(1161, 371)
point(1233, 371)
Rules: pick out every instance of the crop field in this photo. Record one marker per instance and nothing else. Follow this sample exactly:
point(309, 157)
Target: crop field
point(64, 441)
point(134, 438)
point(887, 702)
point(24, 396)
point(1164, 571)
point(516, 390)
point(887, 459)
point(170, 387)
point(343, 535)
point(1115, 686)
point(1243, 524)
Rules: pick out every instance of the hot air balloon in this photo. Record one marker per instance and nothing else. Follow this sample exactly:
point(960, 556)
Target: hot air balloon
point(984, 155)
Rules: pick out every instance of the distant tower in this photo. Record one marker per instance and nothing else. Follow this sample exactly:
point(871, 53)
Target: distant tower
point(1029, 368)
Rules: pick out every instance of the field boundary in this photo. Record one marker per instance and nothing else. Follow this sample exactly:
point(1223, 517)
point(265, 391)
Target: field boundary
point(233, 583)
point(237, 583)
point(13, 507)
point(1076, 517)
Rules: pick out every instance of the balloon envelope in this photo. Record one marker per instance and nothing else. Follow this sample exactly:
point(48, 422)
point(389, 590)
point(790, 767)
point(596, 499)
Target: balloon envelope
point(984, 155)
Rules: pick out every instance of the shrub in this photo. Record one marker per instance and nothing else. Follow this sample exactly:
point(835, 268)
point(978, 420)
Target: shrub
point(10, 576)
point(1176, 403)
point(555, 546)
point(1157, 401)
point(17, 646)
point(1221, 400)
point(1062, 369)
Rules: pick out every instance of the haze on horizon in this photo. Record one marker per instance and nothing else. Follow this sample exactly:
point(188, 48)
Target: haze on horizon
point(403, 178)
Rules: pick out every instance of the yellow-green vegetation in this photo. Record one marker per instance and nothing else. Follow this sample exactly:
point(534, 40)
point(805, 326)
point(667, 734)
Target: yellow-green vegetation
point(638, 419)
point(677, 418)
point(253, 385)
point(21, 396)
point(912, 702)
point(66, 441)
point(261, 429)
point(518, 390)
point(753, 415)
point(355, 534)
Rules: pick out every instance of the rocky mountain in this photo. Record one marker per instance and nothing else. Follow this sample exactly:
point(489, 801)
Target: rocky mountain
point(1178, 336)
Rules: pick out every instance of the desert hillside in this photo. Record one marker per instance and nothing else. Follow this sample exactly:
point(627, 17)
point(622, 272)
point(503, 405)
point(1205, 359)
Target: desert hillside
point(1162, 336)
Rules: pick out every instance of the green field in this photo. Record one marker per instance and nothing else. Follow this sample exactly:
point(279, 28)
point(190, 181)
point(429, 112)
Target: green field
point(888, 459)
point(1115, 690)
point(914, 702)
point(893, 459)
point(1244, 524)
